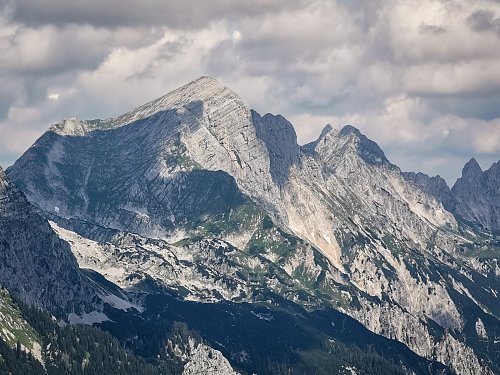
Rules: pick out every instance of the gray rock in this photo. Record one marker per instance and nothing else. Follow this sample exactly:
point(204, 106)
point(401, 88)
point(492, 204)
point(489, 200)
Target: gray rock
point(435, 186)
point(478, 195)
point(35, 264)
point(474, 198)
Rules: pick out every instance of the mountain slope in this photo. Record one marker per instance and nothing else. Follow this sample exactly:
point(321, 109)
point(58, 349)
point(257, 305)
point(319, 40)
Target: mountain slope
point(35, 263)
point(31, 342)
point(435, 186)
point(14, 328)
point(37, 266)
point(196, 193)
point(474, 198)
point(478, 195)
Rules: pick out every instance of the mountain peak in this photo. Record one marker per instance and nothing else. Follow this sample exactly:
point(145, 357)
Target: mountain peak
point(471, 169)
point(207, 80)
point(494, 169)
point(311, 146)
point(195, 96)
point(200, 87)
point(279, 136)
point(349, 129)
point(327, 129)
point(367, 149)
point(478, 195)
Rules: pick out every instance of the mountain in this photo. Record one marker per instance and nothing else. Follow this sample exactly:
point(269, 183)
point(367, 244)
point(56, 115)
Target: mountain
point(478, 195)
point(14, 328)
point(38, 267)
point(35, 262)
point(473, 199)
point(198, 209)
point(20, 346)
point(435, 186)
point(32, 342)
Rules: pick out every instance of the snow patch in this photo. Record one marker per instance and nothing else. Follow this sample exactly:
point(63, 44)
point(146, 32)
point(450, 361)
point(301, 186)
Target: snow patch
point(120, 303)
point(263, 316)
point(88, 319)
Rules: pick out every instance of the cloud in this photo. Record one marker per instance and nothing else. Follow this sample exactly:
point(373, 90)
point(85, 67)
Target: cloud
point(50, 49)
point(432, 29)
point(53, 96)
point(419, 77)
point(415, 137)
point(170, 13)
point(484, 20)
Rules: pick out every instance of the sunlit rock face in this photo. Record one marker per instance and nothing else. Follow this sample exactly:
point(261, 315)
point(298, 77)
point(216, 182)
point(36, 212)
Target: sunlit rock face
point(474, 198)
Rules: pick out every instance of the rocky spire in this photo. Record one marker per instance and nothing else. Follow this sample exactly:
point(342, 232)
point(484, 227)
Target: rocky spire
point(472, 170)
point(368, 149)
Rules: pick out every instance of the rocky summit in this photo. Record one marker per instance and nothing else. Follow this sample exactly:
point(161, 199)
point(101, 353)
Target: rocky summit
point(474, 198)
point(283, 257)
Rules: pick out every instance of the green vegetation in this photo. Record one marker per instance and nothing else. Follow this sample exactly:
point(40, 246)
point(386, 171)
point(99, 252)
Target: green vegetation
point(71, 349)
point(282, 338)
point(177, 157)
point(489, 249)
point(238, 218)
point(269, 238)
point(277, 338)
point(98, 124)
point(13, 327)
point(16, 361)
point(341, 357)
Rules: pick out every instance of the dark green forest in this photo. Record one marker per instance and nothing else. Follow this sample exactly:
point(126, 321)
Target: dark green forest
point(76, 350)
point(284, 346)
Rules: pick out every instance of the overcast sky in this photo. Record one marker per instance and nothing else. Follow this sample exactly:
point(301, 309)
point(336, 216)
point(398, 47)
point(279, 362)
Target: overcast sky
point(421, 78)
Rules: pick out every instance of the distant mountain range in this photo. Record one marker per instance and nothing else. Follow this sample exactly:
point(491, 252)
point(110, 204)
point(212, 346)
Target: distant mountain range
point(321, 258)
point(475, 197)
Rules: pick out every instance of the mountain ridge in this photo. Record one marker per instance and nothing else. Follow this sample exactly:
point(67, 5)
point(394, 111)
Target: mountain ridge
point(474, 198)
point(30, 251)
point(331, 222)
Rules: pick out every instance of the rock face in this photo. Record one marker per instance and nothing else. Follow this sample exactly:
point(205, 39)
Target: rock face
point(475, 197)
point(196, 356)
point(34, 262)
point(118, 173)
point(202, 359)
point(199, 193)
point(435, 186)
point(206, 360)
point(478, 195)
point(281, 142)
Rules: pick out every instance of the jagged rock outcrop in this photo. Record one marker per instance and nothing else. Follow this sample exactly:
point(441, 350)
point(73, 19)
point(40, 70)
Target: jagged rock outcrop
point(202, 125)
point(478, 195)
point(196, 357)
point(369, 151)
point(35, 263)
point(281, 142)
point(475, 197)
point(330, 222)
point(435, 186)
point(206, 360)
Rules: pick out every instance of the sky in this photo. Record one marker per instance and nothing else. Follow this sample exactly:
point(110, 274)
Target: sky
point(420, 77)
